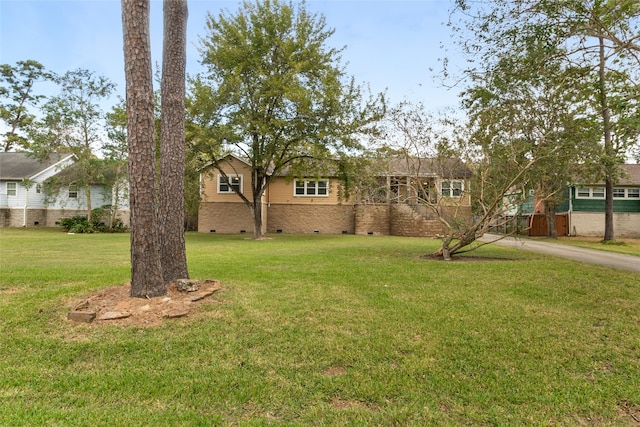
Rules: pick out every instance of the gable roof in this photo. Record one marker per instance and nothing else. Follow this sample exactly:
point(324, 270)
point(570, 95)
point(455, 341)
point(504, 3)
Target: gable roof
point(19, 166)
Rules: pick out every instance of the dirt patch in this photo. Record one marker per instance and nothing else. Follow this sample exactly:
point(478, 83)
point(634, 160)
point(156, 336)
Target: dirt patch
point(335, 370)
point(114, 306)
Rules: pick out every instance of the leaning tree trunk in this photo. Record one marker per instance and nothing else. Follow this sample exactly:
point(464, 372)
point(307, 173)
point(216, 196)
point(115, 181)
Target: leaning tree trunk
point(146, 273)
point(172, 145)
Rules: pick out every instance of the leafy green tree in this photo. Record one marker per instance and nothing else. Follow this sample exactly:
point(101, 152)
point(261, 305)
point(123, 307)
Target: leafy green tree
point(73, 122)
point(17, 97)
point(597, 37)
point(493, 160)
point(115, 152)
point(275, 95)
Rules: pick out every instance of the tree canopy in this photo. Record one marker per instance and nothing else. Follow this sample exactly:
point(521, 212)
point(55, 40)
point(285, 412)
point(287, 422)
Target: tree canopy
point(18, 96)
point(275, 94)
point(580, 58)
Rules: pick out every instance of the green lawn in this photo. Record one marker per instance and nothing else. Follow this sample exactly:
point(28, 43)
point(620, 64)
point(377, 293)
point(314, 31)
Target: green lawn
point(321, 330)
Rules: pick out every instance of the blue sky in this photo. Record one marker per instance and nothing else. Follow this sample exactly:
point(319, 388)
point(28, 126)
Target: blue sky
point(390, 44)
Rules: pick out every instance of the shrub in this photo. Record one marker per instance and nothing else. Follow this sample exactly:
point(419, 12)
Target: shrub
point(80, 224)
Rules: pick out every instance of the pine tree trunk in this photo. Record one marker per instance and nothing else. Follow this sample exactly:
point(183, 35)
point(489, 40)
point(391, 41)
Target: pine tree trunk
point(172, 145)
point(146, 274)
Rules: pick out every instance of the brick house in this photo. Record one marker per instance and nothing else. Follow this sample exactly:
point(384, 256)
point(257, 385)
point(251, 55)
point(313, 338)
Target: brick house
point(390, 205)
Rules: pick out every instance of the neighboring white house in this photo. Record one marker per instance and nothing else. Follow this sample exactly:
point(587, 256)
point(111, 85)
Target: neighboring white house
point(23, 202)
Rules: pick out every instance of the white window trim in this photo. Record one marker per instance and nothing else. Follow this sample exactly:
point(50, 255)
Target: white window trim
point(14, 189)
point(306, 182)
point(633, 198)
point(590, 196)
point(230, 190)
point(451, 187)
point(626, 193)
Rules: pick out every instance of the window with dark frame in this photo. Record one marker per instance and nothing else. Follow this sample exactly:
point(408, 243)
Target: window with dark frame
point(73, 191)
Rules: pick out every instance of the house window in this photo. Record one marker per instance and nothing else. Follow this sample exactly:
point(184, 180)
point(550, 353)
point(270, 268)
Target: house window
point(583, 193)
point(626, 193)
point(73, 191)
point(618, 193)
point(452, 188)
point(311, 187)
point(590, 193)
point(12, 189)
point(230, 184)
point(38, 188)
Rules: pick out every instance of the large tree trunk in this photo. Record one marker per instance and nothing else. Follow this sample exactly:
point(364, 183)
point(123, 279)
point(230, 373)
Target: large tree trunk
point(609, 155)
point(256, 210)
point(550, 214)
point(172, 145)
point(146, 273)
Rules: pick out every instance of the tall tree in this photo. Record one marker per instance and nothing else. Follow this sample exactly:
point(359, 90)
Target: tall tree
point(74, 122)
point(172, 141)
point(275, 95)
point(600, 37)
point(17, 96)
point(115, 152)
point(146, 271)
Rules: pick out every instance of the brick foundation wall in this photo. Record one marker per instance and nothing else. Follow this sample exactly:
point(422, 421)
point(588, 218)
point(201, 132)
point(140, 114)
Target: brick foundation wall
point(16, 218)
point(402, 220)
point(224, 218)
point(45, 217)
point(373, 219)
point(304, 219)
point(592, 224)
point(413, 221)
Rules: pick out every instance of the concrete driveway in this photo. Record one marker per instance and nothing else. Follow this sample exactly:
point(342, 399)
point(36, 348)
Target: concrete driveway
point(621, 261)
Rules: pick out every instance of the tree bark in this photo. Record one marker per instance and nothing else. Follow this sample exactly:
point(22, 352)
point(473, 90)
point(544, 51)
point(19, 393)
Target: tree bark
point(256, 210)
point(146, 273)
point(609, 162)
point(172, 145)
point(550, 214)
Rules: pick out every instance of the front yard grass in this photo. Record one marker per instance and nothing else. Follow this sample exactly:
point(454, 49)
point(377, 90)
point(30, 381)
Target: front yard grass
point(321, 330)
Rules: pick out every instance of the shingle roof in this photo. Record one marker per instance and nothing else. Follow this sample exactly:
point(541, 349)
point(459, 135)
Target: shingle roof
point(18, 166)
point(631, 175)
point(446, 168)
